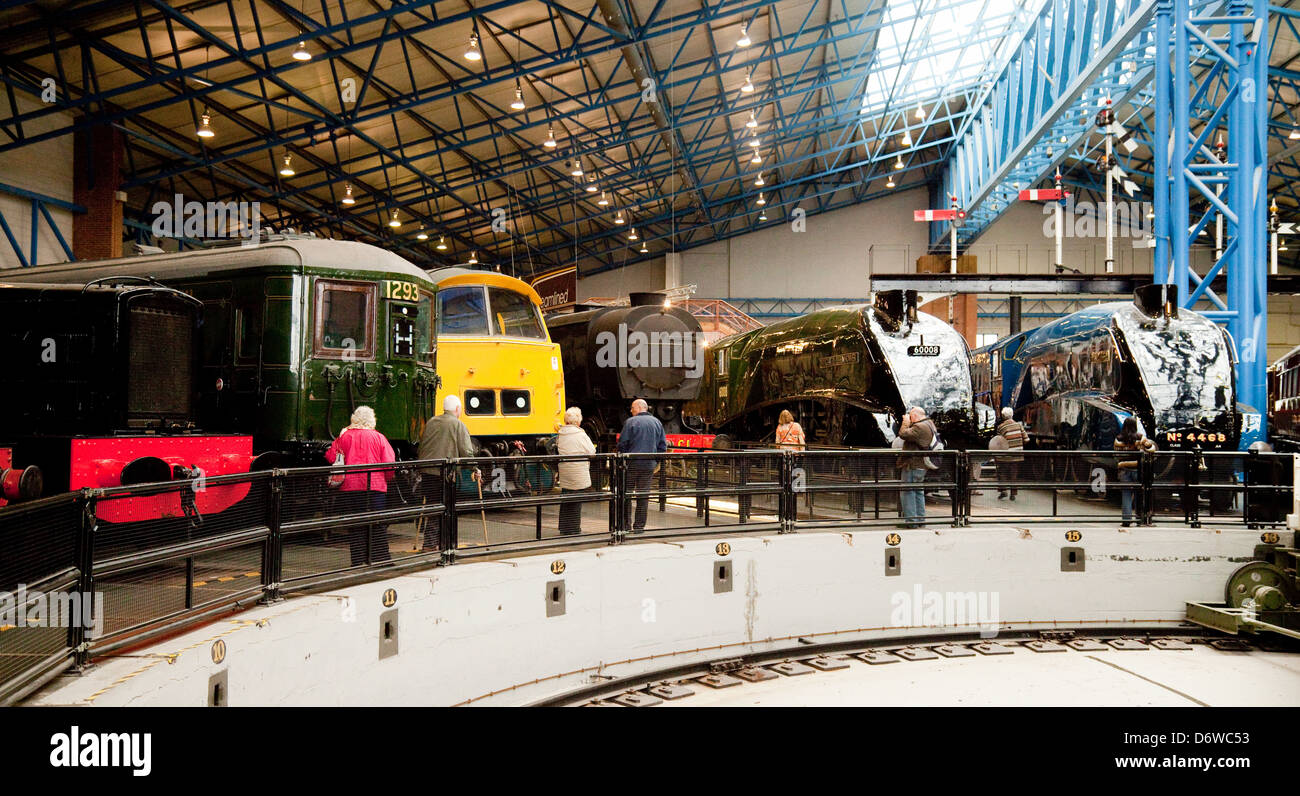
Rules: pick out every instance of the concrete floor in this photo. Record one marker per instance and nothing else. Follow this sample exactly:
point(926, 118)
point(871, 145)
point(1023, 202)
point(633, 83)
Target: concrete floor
point(1200, 676)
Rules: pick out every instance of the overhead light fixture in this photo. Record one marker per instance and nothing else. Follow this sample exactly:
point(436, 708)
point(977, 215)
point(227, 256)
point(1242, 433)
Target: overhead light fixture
point(906, 140)
point(898, 161)
point(591, 183)
point(759, 181)
point(393, 222)
point(347, 195)
point(618, 217)
point(631, 234)
point(287, 169)
point(753, 121)
point(761, 201)
point(757, 158)
point(643, 249)
point(205, 125)
point(890, 182)
point(442, 243)
point(423, 235)
point(576, 170)
point(920, 113)
point(604, 200)
point(549, 143)
point(743, 41)
point(300, 53)
point(518, 103)
point(471, 52)
point(755, 142)
point(748, 87)
point(762, 216)
point(1294, 135)
point(473, 258)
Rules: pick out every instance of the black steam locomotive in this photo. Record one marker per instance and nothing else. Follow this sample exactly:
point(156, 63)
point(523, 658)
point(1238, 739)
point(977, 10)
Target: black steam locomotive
point(100, 391)
point(613, 355)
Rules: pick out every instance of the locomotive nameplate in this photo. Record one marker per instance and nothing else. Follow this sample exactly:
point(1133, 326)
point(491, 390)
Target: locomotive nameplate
point(923, 351)
point(397, 290)
point(839, 359)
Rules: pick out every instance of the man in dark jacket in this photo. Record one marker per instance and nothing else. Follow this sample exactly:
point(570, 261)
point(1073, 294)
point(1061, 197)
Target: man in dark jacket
point(918, 434)
point(642, 433)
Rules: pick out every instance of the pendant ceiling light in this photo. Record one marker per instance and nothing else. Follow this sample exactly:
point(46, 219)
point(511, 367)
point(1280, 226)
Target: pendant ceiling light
point(748, 86)
point(393, 222)
point(744, 40)
point(300, 53)
point(471, 51)
point(518, 103)
point(287, 169)
point(205, 125)
point(442, 243)
point(347, 195)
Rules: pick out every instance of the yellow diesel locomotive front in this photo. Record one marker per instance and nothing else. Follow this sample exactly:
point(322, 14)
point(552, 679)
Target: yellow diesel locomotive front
point(495, 354)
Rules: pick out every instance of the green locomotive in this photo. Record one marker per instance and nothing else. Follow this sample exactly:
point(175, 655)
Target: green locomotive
point(848, 373)
point(294, 334)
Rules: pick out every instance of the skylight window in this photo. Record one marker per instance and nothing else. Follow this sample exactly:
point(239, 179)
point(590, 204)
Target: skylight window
point(926, 49)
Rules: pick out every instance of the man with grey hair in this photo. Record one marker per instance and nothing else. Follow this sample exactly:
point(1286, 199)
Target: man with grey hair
point(575, 474)
point(1013, 435)
point(918, 434)
point(642, 433)
point(446, 436)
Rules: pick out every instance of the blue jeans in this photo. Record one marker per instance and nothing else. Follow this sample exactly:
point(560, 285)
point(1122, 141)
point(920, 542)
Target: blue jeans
point(913, 500)
point(1126, 493)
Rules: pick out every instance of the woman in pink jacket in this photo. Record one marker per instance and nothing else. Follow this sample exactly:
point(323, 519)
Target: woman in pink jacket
point(364, 490)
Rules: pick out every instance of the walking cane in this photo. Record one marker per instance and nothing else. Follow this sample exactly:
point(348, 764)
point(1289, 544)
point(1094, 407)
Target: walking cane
point(478, 479)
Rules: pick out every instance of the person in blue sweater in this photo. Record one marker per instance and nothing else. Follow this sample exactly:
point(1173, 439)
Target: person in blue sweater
point(642, 433)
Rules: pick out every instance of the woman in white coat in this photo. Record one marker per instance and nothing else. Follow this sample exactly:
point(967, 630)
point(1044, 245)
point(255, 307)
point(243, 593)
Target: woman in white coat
point(575, 475)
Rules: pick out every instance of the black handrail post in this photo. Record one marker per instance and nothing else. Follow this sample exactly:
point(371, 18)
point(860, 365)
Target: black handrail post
point(450, 523)
point(78, 638)
point(700, 484)
point(1146, 499)
point(961, 494)
point(787, 491)
point(1247, 481)
point(619, 481)
point(273, 552)
point(743, 499)
point(663, 484)
point(1191, 490)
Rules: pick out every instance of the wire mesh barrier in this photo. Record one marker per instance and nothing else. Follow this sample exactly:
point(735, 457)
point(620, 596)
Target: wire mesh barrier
point(521, 502)
point(841, 488)
point(85, 573)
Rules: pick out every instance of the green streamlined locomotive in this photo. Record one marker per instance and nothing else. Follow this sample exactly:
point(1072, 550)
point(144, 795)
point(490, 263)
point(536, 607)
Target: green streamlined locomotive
point(293, 335)
point(848, 373)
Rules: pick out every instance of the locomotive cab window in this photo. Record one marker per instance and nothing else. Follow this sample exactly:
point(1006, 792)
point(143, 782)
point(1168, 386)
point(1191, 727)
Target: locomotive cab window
point(424, 329)
point(345, 319)
point(513, 315)
point(462, 310)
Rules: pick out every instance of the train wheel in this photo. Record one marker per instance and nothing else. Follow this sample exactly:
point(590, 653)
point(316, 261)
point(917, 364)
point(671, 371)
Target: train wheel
point(723, 442)
point(1263, 582)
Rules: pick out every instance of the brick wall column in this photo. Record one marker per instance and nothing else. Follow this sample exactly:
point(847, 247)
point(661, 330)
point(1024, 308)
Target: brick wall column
point(97, 173)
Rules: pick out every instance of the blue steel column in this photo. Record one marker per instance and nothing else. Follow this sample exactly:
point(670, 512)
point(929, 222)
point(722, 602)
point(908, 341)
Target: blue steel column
point(1160, 148)
point(1248, 281)
point(1180, 212)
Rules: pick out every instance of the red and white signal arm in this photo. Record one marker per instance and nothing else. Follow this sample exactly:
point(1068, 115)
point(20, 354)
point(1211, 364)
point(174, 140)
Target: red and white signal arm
point(938, 215)
point(1043, 194)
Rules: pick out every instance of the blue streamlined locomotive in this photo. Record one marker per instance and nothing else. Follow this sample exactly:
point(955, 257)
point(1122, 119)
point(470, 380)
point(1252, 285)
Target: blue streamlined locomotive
point(1075, 380)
